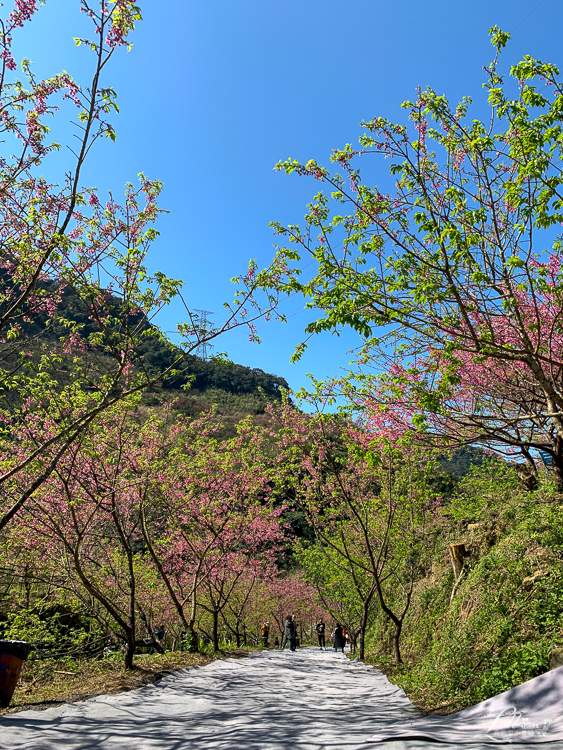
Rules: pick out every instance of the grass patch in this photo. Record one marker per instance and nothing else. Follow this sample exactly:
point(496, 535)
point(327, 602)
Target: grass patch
point(425, 697)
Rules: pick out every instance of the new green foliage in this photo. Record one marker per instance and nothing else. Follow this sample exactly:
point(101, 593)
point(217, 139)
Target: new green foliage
point(507, 612)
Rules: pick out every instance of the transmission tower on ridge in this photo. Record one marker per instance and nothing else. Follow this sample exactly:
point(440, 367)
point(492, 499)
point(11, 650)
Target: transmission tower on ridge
point(204, 325)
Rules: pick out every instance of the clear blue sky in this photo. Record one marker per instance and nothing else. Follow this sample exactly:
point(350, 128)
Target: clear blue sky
point(214, 92)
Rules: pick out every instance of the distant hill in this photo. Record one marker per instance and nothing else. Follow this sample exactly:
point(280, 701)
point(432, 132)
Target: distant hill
point(209, 375)
point(236, 389)
point(459, 465)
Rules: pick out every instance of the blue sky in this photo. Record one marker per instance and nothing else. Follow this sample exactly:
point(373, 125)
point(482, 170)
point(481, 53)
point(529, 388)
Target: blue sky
point(215, 92)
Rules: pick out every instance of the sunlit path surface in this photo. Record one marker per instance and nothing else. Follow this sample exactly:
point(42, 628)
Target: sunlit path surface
point(309, 700)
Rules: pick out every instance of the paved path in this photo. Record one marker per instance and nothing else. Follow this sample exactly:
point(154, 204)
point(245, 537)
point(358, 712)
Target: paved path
point(308, 700)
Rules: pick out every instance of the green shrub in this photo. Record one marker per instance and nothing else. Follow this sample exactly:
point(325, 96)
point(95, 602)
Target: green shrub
point(497, 632)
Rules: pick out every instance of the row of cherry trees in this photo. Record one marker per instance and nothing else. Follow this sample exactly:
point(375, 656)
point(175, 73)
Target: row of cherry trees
point(76, 296)
point(148, 522)
point(449, 266)
point(110, 514)
point(451, 273)
point(369, 498)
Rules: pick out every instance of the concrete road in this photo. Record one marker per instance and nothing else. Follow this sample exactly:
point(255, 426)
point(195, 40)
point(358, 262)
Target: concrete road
point(307, 700)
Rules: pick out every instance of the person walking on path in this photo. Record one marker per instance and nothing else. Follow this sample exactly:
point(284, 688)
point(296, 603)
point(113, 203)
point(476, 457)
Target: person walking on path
point(321, 634)
point(265, 634)
point(293, 637)
point(339, 640)
point(287, 631)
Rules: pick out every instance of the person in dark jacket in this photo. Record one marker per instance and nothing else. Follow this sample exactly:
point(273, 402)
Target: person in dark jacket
point(321, 634)
point(293, 638)
point(287, 631)
point(339, 640)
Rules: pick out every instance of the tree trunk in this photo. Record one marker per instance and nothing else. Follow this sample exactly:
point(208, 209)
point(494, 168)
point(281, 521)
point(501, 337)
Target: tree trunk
point(354, 635)
point(104, 601)
point(215, 630)
point(162, 572)
point(558, 462)
point(130, 649)
point(457, 556)
point(396, 639)
point(364, 621)
point(126, 545)
point(398, 622)
point(192, 639)
point(363, 626)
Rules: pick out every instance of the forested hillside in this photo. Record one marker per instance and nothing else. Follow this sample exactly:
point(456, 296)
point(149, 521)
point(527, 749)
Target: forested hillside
point(197, 383)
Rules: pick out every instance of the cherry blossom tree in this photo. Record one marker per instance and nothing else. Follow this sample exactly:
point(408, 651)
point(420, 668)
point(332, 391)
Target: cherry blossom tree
point(348, 599)
point(86, 516)
point(76, 298)
point(288, 593)
point(450, 271)
point(240, 611)
point(367, 498)
point(209, 518)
